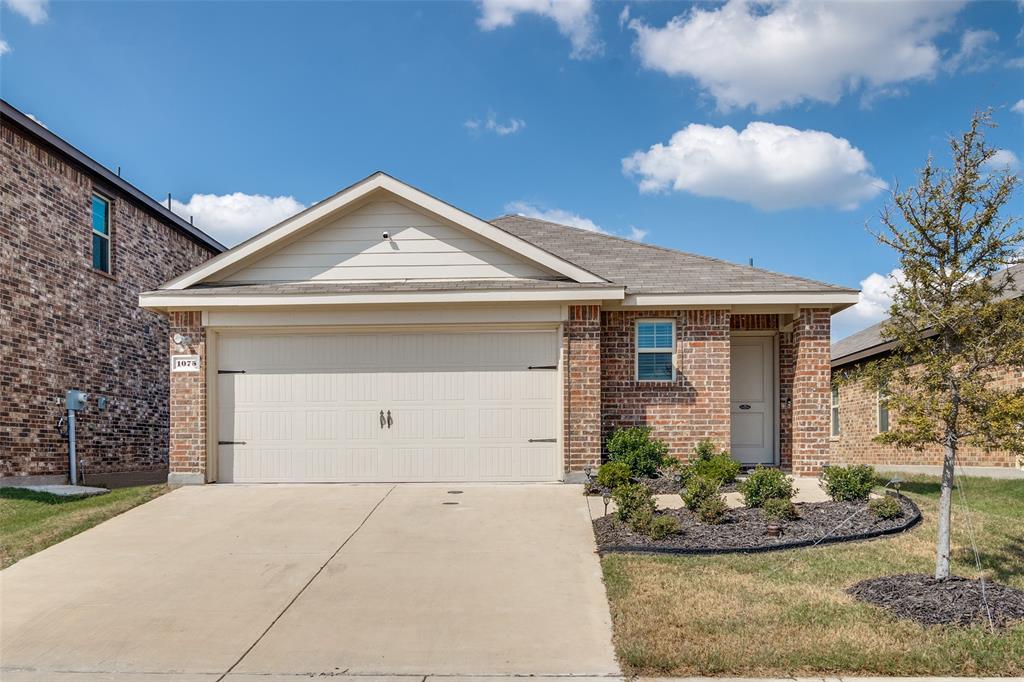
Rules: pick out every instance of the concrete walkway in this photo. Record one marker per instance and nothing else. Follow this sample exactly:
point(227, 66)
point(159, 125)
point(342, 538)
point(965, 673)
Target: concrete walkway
point(274, 582)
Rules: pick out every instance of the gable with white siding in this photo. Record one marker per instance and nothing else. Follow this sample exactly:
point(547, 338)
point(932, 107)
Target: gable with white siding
point(420, 246)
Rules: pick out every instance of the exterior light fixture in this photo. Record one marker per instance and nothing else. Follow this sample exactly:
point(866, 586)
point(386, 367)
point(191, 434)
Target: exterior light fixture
point(896, 484)
point(677, 477)
point(607, 498)
point(774, 530)
point(589, 471)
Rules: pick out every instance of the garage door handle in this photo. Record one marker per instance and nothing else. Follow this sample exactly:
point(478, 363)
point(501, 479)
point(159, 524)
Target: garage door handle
point(382, 419)
point(543, 440)
point(231, 442)
point(389, 419)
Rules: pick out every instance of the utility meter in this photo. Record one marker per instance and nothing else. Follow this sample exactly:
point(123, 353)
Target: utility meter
point(75, 400)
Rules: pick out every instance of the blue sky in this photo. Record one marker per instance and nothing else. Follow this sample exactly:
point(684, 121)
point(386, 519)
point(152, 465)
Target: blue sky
point(779, 125)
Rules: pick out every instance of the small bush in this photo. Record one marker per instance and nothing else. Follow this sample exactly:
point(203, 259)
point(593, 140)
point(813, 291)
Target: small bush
point(635, 448)
point(641, 521)
point(633, 499)
point(612, 474)
point(697, 491)
point(663, 526)
point(712, 510)
point(704, 451)
point(885, 508)
point(720, 467)
point(765, 484)
point(845, 484)
point(779, 510)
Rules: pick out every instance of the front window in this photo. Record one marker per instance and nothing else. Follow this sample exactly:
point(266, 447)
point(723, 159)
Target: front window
point(655, 341)
point(883, 412)
point(100, 233)
point(835, 411)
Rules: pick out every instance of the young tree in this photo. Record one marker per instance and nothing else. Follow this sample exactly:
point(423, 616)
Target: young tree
point(954, 325)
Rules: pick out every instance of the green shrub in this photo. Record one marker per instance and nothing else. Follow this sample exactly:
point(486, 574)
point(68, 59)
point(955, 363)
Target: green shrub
point(765, 484)
point(844, 484)
point(720, 467)
point(697, 491)
point(712, 510)
point(633, 499)
point(663, 526)
point(641, 521)
point(612, 474)
point(779, 510)
point(704, 451)
point(885, 508)
point(635, 448)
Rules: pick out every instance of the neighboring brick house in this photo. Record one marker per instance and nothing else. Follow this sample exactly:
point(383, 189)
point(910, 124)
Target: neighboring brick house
point(861, 416)
point(77, 245)
point(384, 335)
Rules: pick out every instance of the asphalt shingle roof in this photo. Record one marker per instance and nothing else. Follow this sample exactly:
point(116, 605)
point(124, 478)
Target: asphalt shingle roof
point(648, 269)
point(858, 346)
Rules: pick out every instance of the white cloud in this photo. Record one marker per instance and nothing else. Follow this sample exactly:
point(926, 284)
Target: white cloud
point(232, 218)
point(770, 166)
point(33, 10)
point(491, 124)
point(1018, 107)
point(769, 55)
point(575, 19)
point(872, 306)
point(975, 53)
point(563, 217)
point(32, 116)
point(5, 47)
point(1003, 159)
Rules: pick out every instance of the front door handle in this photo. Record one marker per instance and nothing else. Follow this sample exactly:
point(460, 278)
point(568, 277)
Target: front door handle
point(389, 419)
point(382, 419)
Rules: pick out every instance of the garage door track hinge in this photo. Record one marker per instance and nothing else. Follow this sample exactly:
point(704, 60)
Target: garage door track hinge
point(230, 371)
point(231, 442)
point(543, 440)
point(542, 367)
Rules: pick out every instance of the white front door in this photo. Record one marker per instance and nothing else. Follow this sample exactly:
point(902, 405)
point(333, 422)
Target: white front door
point(388, 407)
point(753, 399)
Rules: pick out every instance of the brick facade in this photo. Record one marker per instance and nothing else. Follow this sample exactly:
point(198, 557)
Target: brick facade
point(65, 325)
point(188, 401)
point(811, 392)
point(696, 405)
point(858, 421)
point(682, 412)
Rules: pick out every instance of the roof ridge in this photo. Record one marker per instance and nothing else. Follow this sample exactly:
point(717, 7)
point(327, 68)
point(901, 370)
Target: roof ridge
point(667, 249)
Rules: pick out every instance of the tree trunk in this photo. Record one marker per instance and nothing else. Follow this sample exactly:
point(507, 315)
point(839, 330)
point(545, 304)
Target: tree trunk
point(945, 509)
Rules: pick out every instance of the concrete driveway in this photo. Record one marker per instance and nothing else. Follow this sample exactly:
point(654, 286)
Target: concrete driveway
point(257, 582)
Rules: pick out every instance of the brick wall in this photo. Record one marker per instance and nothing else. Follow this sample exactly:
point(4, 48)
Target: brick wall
point(812, 386)
point(858, 421)
point(65, 325)
point(682, 412)
point(581, 401)
point(188, 402)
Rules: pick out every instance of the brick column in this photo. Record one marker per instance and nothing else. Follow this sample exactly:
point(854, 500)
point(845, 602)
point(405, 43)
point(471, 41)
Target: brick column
point(707, 368)
point(188, 403)
point(811, 390)
point(581, 400)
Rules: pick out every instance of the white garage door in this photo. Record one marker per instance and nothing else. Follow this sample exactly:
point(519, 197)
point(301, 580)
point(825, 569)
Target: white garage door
point(388, 407)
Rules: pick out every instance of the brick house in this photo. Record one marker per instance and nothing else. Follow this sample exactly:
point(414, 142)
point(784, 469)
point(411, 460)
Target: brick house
point(385, 335)
point(858, 415)
point(77, 245)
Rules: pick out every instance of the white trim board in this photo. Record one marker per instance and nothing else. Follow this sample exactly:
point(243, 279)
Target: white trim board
point(382, 183)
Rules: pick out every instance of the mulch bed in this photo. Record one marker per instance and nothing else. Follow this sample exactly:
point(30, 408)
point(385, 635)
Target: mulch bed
point(745, 530)
point(956, 601)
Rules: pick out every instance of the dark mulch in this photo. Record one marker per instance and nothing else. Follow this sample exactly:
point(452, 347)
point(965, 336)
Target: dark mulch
point(662, 484)
point(956, 601)
point(746, 529)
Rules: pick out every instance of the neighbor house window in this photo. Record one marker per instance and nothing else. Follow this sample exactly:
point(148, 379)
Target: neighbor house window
point(100, 233)
point(655, 340)
point(835, 411)
point(883, 411)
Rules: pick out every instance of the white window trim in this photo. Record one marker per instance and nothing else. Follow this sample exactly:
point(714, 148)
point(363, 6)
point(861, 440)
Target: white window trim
point(107, 236)
point(637, 350)
point(835, 427)
point(878, 414)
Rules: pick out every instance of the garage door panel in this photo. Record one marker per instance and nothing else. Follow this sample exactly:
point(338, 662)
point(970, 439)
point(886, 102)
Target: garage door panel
point(463, 407)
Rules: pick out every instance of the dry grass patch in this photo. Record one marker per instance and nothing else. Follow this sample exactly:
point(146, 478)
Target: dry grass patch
point(32, 521)
point(785, 613)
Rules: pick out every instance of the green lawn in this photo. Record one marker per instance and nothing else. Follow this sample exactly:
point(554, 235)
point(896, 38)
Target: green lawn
point(785, 613)
point(31, 521)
